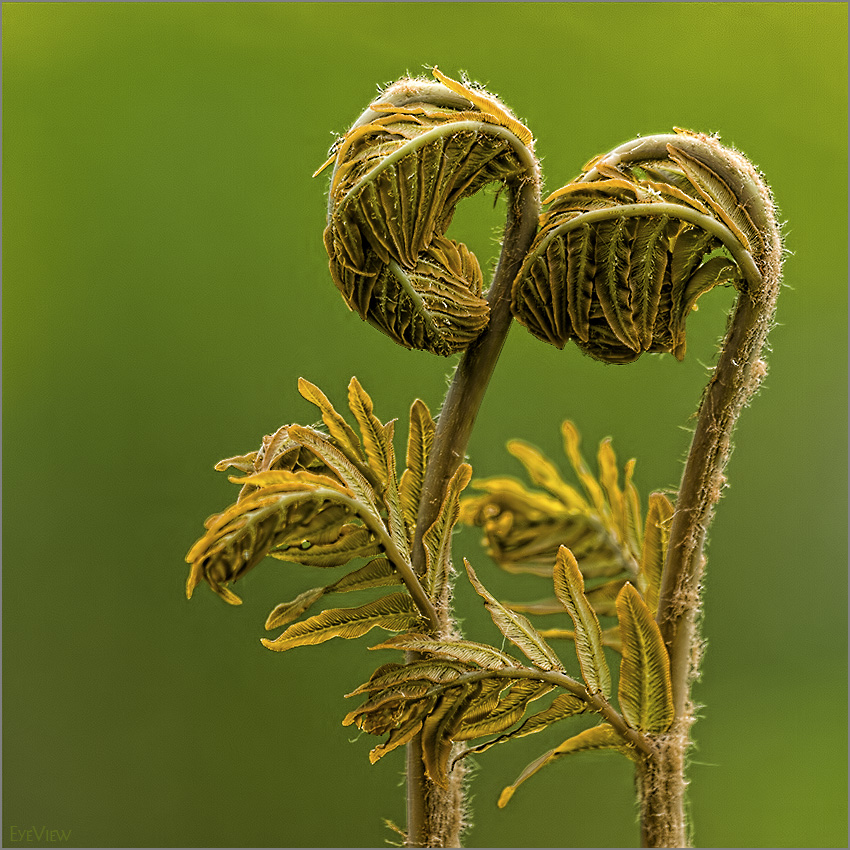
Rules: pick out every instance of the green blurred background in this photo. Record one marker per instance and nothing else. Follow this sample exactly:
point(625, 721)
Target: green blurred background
point(165, 286)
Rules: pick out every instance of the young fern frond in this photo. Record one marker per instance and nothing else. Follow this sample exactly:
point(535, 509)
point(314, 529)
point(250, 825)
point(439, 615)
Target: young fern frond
point(524, 528)
point(622, 255)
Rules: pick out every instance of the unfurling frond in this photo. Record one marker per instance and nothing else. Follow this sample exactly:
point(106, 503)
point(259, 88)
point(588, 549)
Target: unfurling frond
point(316, 499)
point(403, 698)
point(398, 175)
point(464, 690)
point(525, 528)
point(626, 249)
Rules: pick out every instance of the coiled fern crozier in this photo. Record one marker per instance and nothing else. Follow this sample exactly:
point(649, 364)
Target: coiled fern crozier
point(615, 264)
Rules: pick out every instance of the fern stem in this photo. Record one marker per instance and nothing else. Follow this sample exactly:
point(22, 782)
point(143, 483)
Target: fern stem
point(735, 379)
point(661, 792)
point(434, 814)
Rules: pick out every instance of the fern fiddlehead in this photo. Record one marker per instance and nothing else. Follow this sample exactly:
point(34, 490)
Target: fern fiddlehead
point(626, 249)
point(398, 175)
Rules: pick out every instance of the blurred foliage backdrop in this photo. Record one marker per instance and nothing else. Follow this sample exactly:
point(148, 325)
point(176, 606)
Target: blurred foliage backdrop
point(165, 286)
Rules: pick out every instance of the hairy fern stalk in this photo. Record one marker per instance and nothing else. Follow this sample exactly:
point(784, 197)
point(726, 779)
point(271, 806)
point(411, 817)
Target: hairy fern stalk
point(614, 265)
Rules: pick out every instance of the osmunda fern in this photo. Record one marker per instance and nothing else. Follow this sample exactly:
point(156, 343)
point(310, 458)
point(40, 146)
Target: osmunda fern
point(615, 265)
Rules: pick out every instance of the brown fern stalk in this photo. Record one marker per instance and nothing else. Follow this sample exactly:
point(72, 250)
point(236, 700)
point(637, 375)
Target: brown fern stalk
point(735, 379)
point(399, 172)
point(434, 814)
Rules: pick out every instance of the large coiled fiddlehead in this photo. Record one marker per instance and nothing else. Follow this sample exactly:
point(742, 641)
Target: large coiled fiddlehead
point(627, 248)
point(398, 175)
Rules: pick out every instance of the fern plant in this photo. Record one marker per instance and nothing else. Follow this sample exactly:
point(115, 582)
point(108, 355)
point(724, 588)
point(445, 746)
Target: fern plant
point(615, 264)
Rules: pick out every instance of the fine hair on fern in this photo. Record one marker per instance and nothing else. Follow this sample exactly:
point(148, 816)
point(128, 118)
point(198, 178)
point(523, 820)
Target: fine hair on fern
point(614, 264)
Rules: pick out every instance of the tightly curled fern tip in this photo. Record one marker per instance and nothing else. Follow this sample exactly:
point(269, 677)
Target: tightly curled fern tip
point(398, 175)
point(626, 249)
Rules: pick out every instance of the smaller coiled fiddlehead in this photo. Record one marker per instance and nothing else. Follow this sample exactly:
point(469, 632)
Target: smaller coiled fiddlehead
point(627, 248)
point(398, 175)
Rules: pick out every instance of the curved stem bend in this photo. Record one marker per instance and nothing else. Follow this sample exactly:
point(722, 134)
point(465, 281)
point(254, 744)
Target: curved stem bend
point(454, 427)
point(735, 379)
